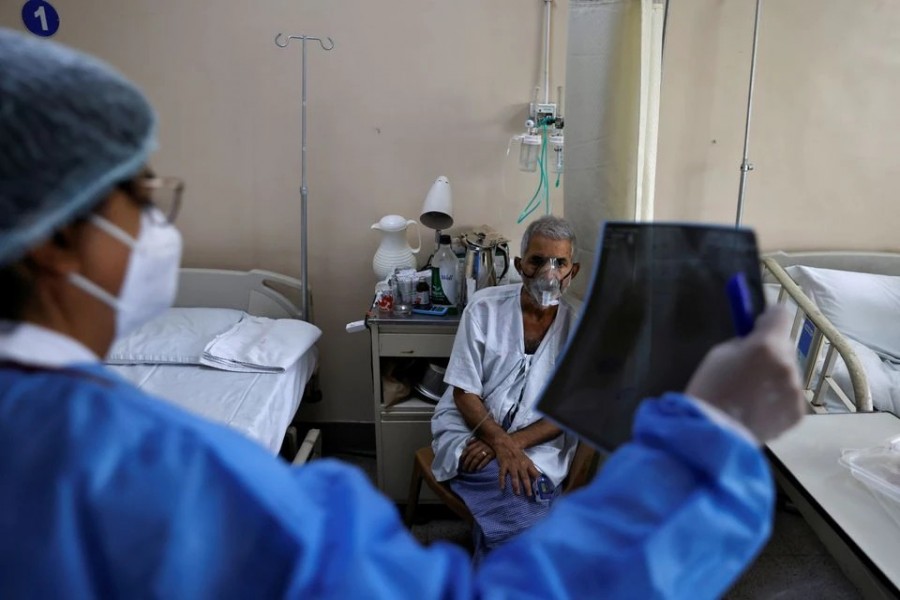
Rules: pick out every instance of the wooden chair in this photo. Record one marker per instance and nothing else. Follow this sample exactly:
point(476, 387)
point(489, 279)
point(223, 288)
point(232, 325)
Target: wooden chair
point(583, 467)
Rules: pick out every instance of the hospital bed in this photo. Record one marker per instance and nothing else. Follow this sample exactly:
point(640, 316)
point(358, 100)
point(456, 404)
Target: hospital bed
point(161, 358)
point(846, 325)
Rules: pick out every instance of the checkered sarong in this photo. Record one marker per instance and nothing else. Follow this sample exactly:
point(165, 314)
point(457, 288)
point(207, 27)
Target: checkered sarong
point(499, 514)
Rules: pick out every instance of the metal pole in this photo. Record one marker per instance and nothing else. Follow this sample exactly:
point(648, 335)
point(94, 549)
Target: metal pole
point(547, 7)
point(282, 41)
point(304, 191)
point(746, 165)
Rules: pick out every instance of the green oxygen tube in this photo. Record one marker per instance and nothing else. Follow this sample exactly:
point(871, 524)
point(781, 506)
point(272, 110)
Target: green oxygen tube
point(543, 182)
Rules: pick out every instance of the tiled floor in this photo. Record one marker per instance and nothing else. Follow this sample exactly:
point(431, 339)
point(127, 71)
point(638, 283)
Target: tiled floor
point(433, 523)
point(794, 564)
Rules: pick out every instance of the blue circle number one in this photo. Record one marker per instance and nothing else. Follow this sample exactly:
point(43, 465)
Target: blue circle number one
point(40, 18)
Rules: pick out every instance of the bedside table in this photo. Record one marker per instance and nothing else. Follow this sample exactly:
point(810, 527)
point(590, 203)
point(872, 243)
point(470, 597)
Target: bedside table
point(403, 428)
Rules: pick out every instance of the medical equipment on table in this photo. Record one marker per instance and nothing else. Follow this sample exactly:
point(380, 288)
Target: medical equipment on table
point(304, 190)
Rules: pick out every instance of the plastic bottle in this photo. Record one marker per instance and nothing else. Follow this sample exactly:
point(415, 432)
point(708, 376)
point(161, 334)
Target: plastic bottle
point(447, 266)
point(423, 296)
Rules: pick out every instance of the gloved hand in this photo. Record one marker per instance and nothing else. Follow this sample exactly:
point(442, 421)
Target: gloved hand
point(755, 379)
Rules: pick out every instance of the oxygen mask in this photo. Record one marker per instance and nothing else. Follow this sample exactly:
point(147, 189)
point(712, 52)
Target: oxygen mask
point(546, 284)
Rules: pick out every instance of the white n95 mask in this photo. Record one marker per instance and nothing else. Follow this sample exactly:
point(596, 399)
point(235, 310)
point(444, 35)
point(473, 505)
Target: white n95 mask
point(151, 278)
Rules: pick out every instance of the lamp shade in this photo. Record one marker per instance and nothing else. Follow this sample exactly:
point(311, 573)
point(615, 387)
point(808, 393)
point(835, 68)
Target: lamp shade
point(437, 211)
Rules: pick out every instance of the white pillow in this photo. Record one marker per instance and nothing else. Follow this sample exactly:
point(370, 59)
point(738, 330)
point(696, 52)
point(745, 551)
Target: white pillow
point(176, 337)
point(261, 345)
point(863, 306)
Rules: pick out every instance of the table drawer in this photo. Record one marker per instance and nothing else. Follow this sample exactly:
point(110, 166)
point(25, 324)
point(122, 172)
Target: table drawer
point(424, 344)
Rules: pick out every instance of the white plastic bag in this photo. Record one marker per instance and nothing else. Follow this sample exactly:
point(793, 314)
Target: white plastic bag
point(879, 469)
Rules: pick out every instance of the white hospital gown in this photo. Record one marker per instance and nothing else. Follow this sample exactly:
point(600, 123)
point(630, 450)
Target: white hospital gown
point(489, 360)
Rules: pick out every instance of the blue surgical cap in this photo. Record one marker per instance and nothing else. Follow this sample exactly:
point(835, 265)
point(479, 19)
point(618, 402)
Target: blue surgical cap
point(71, 128)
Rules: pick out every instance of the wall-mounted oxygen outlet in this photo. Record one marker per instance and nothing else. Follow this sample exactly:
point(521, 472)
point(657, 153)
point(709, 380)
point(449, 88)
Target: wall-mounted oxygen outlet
point(541, 111)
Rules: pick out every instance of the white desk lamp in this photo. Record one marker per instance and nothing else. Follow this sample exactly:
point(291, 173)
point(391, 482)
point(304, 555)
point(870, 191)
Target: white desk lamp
point(437, 210)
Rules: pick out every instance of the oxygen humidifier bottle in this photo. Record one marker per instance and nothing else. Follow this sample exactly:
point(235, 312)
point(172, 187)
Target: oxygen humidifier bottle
point(447, 264)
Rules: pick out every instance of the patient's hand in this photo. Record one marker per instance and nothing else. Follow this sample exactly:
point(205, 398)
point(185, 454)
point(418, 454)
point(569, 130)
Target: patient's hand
point(475, 456)
point(754, 379)
point(513, 461)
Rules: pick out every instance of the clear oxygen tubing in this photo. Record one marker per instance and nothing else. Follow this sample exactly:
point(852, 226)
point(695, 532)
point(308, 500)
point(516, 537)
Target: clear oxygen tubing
point(543, 183)
point(535, 202)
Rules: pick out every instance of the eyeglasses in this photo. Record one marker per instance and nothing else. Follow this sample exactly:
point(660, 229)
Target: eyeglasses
point(165, 194)
point(536, 263)
point(162, 193)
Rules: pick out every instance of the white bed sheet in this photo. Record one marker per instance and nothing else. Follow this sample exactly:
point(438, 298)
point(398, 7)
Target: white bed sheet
point(259, 405)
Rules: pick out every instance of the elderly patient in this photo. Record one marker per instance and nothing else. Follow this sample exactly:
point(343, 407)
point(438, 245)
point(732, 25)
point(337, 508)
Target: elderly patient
point(499, 454)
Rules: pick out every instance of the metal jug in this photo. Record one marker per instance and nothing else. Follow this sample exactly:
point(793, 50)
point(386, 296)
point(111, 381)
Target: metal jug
point(479, 271)
point(501, 260)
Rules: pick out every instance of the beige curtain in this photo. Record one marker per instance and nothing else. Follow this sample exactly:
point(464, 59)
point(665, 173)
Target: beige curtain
point(612, 104)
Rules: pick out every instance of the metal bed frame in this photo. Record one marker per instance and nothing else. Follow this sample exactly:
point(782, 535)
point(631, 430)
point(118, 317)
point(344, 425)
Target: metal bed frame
point(826, 338)
point(264, 294)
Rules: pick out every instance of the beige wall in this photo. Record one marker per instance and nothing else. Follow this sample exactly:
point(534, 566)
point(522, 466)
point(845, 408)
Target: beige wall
point(825, 135)
point(413, 89)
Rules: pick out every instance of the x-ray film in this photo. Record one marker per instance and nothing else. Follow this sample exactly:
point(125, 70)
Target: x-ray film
point(656, 304)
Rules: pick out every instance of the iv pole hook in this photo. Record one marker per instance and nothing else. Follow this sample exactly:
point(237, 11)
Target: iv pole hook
point(287, 40)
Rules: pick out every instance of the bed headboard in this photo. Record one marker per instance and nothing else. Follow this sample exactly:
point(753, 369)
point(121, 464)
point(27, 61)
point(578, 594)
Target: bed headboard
point(260, 293)
point(825, 333)
point(883, 263)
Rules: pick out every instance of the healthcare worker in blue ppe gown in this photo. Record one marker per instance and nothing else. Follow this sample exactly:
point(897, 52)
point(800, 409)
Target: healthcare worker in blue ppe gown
point(107, 492)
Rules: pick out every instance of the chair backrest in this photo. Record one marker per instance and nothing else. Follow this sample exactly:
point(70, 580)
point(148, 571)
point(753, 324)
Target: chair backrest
point(583, 467)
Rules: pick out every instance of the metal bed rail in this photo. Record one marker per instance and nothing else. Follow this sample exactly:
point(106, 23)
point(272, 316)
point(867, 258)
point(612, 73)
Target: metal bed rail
point(310, 448)
point(825, 335)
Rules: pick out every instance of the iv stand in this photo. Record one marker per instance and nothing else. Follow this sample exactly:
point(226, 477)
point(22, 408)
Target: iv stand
point(746, 165)
point(304, 191)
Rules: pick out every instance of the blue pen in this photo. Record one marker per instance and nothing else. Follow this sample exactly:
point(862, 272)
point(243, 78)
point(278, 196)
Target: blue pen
point(741, 306)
